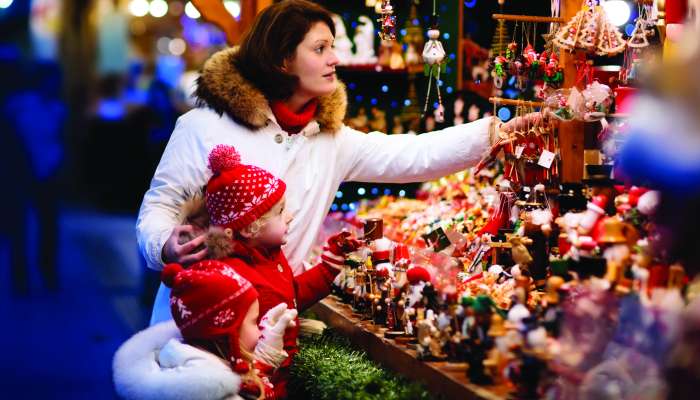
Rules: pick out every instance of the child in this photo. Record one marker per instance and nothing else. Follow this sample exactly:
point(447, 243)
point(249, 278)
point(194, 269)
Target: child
point(215, 310)
point(248, 226)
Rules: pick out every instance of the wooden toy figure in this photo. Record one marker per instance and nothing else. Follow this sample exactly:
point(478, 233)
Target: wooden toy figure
point(429, 345)
point(478, 342)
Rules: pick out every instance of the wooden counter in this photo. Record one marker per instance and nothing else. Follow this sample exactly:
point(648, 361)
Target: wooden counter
point(443, 379)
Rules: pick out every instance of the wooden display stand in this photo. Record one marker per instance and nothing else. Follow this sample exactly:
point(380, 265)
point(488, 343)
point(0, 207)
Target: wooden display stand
point(441, 378)
point(571, 136)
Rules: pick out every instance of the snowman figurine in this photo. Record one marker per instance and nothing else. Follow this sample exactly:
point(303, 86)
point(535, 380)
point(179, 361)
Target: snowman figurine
point(434, 55)
point(343, 44)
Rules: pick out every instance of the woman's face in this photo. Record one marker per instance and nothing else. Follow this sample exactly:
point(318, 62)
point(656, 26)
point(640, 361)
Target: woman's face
point(314, 63)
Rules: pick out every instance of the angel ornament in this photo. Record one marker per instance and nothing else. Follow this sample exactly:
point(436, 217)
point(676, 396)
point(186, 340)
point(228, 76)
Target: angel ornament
point(434, 55)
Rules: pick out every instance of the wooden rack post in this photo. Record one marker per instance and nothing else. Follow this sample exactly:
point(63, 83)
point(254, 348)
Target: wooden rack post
point(571, 136)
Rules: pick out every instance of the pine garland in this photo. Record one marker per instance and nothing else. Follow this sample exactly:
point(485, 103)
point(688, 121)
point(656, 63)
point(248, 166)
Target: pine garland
point(327, 367)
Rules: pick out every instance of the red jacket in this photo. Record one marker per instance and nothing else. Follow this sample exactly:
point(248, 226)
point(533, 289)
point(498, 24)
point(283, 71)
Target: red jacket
point(272, 277)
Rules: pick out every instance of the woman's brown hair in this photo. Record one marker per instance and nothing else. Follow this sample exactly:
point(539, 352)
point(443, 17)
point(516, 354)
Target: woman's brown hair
point(272, 39)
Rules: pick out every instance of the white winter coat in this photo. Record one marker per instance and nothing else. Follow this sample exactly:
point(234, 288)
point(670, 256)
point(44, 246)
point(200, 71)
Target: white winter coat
point(154, 364)
point(312, 163)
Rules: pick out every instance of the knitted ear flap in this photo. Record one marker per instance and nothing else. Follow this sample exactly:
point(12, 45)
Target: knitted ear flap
point(219, 242)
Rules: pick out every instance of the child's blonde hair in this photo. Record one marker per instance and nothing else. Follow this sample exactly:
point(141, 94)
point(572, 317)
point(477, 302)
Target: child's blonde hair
point(220, 347)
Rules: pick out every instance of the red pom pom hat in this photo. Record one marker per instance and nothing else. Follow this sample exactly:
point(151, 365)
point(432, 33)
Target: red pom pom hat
point(238, 194)
point(209, 300)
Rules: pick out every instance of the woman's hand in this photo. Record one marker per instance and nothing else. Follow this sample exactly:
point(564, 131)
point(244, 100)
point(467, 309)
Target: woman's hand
point(522, 123)
point(185, 253)
point(502, 131)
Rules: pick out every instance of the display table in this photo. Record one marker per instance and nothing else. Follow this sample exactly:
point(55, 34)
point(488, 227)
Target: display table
point(444, 379)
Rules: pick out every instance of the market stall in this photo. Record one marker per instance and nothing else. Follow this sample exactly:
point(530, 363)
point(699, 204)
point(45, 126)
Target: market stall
point(538, 273)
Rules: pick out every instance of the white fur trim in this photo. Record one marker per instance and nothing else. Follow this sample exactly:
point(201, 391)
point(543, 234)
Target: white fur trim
point(155, 364)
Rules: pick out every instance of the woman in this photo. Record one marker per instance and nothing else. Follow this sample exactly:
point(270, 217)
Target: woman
point(278, 101)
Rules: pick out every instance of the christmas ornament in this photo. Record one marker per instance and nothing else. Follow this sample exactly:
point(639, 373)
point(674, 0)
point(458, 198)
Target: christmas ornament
point(387, 21)
point(638, 39)
point(434, 55)
point(591, 31)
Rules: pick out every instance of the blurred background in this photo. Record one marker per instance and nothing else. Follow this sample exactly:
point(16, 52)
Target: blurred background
point(89, 93)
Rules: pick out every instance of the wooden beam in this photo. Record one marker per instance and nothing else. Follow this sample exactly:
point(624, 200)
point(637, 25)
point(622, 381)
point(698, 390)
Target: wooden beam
point(527, 18)
point(262, 4)
point(214, 12)
point(571, 138)
point(511, 102)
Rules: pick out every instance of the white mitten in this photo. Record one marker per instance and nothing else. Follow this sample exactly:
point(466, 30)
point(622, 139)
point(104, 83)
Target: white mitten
point(270, 347)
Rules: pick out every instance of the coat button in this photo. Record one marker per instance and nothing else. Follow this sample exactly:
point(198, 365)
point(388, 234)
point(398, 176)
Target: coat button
point(279, 138)
point(279, 268)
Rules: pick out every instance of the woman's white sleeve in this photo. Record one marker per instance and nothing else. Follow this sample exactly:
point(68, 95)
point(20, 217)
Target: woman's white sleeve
point(182, 171)
point(376, 157)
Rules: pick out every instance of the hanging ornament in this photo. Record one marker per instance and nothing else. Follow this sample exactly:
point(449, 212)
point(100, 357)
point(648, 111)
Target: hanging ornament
point(568, 35)
point(590, 30)
point(591, 25)
point(434, 55)
point(498, 42)
point(499, 72)
point(530, 56)
point(553, 72)
point(511, 50)
point(610, 40)
point(387, 21)
point(638, 39)
point(520, 73)
point(548, 37)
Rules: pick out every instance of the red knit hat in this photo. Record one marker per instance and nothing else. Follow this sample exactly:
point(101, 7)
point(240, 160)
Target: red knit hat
point(209, 300)
point(238, 194)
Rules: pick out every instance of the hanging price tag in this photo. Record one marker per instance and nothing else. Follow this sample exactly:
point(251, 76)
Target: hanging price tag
point(546, 159)
point(519, 151)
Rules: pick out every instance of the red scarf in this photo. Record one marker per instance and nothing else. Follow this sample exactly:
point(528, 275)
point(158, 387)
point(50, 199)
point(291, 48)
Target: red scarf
point(290, 121)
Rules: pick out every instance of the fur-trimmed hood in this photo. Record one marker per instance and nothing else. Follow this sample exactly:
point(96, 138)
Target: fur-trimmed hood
point(154, 364)
point(222, 88)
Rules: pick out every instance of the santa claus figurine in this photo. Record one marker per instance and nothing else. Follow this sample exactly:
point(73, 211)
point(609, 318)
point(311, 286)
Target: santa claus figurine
point(595, 209)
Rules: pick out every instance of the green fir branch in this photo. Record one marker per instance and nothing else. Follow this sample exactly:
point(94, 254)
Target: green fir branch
point(327, 367)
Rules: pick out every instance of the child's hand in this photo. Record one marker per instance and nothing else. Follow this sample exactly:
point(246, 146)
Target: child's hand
point(270, 347)
point(277, 319)
point(337, 247)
